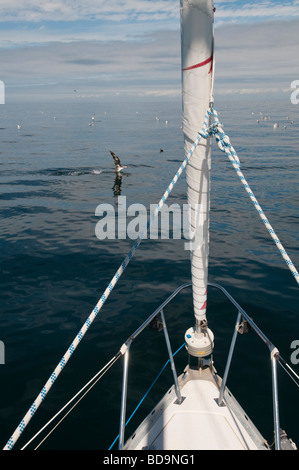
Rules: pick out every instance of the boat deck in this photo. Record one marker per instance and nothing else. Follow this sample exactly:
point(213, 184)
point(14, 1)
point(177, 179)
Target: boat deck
point(198, 423)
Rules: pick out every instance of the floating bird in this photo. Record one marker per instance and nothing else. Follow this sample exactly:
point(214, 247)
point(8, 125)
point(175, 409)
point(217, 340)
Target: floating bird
point(92, 123)
point(19, 126)
point(275, 126)
point(118, 165)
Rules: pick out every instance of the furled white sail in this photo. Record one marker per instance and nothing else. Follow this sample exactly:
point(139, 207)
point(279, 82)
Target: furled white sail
point(197, 87)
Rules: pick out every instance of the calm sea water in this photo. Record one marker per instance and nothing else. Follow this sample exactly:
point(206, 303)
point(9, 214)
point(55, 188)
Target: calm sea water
point(54, 172)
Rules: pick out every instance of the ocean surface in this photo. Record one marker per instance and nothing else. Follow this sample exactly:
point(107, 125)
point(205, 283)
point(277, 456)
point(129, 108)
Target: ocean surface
point(54, 172)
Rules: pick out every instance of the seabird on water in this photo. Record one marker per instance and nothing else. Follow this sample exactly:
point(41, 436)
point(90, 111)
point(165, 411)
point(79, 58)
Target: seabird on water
point(118, 165)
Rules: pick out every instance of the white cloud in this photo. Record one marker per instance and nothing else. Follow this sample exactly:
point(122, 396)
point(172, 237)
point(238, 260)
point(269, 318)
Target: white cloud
point(249, 11)
point(35, 21)
point(249, 58)
point(138, 10)
point(75, 10)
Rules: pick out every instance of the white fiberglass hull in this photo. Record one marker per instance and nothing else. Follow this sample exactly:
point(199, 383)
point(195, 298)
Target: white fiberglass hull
point(198, 423)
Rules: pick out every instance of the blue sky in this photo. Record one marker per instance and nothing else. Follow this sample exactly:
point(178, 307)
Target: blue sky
point(133, 46)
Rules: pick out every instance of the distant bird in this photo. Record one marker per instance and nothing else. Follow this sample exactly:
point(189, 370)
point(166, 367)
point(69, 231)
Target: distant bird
point(19, 126)
point(118, 165)
point(275, 126)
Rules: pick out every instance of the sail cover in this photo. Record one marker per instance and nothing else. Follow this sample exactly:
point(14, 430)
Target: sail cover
point(197, 87)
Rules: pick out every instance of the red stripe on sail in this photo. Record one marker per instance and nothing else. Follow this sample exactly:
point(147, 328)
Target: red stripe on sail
point(201, 64)
point(204, 305)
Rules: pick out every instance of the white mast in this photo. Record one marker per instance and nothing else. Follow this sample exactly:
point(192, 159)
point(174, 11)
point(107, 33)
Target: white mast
point(197, 91)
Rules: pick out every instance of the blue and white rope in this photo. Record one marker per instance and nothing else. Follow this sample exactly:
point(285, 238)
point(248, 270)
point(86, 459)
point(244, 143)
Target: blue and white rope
point(146, 394)
point(41, 396)
point(225, 146)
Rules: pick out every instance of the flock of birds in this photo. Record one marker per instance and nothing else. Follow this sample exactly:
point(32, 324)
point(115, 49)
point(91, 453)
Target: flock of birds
point(117, 163)
point(275, 125)
point(118, 166)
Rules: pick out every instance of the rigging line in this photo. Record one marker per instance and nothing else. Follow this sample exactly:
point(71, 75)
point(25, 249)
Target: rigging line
point(284, 366)
point(43, 393)
point(68, 412)
point(94, 378)
point(225, 146)
point(147, 392)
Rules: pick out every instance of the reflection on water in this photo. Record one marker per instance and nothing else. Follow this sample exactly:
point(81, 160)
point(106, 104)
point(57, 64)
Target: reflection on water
point(117, 185)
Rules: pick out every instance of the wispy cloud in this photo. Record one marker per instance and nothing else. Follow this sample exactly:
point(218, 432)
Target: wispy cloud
point(240, 11)
point(146, 11)
point(74, 10)
point(35, 21)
